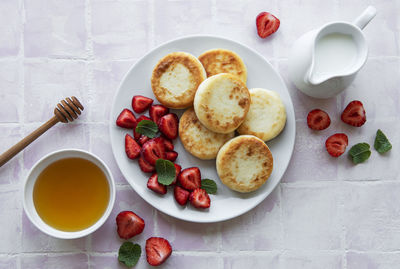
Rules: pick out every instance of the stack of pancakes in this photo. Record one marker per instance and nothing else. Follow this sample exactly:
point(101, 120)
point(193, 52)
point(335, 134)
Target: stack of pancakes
point(213, 88)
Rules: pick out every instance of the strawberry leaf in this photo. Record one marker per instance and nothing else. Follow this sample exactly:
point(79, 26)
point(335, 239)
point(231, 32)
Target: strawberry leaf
point(165, 171)
point(382, 144)
point(129, 253)
point(147, 128)
point(209, 186)
point(360, 152)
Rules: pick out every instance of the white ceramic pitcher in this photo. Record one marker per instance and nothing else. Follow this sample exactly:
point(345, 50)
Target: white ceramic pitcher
point(323, 62)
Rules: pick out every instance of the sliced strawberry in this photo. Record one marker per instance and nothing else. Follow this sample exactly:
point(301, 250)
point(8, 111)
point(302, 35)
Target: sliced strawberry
point(141, 103)
point(153, 150)
point(171, 155)
point(157, 111)
point(129, 224)
point(178, 169)
point(136, 135)
point(199, 198)
point(336, 144)
point(169, 125)
point(169, 146)
point(142, 117)
point(153, 185)
point(354, 114)
point(267, 24)
point(318, 119)
point(181, 195)
point(190, 178)
point(132, 148)
point(143, 139)
point(126, 119)
point(157, 250)
point(145, 166)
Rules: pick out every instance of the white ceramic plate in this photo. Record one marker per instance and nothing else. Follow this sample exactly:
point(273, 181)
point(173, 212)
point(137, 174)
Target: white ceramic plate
point(226, 204)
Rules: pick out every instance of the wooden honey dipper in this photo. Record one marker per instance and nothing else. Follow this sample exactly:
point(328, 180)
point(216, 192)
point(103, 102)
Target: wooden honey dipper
point(67, 110)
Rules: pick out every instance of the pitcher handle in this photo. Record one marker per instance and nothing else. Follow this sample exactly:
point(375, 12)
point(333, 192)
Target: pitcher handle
point(362, 20)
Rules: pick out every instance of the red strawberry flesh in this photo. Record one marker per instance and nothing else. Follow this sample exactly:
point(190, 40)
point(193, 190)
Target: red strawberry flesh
point(169, 125)
point(171, 155)
point(336, 144)
point(157, 250)
point(267, 24)
point(354, 114)
point(141, 103)
point(178, 169)
point(157, 111)
point(132, 148)
point(190, 178)
point(318, 119)
point(142, 117)
point(199, 198)
point(145, 166)
point(181, 195)
point(169, 146)
point(155, 186)
point(126, 119)
point(129, 224)
point(153, 150)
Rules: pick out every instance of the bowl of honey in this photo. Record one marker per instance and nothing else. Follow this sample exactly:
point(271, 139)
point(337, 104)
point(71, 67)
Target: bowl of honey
point(69, 193)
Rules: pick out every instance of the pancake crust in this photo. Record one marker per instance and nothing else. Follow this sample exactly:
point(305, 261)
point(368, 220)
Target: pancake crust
point(221, 103)
point(197, 139)
point(244, 163)
point(176, 78)
point(218, 61)
point(266, 117)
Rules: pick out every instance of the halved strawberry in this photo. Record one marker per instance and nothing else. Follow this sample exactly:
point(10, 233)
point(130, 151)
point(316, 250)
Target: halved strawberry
point(126, 119)
point(141, 103)
point(132, 148)
point(199, 198)
point(267, 24)
point(169, 146)
point(157, 111)
point(171, 155)
point(169, 125)
point(129, 224)
point(153, 185)
point(157, 250)
point(136, 135)
point(143, 139)
point(190, 178)
point(181, 195)
point(318, 119)
point(354, 114)
point(145, 166)
point(142, 117)
point(178, 169)
point(153, 150)
point(336, 144)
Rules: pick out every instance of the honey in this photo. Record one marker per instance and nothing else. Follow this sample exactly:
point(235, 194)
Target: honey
point(71, 194)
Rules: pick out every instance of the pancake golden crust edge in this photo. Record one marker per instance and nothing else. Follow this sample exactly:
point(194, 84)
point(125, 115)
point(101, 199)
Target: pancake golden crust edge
point(175, 79)
point(218, 61)
point(197, 139)
point(244, 163)
point(266, 117)
point(221, 103)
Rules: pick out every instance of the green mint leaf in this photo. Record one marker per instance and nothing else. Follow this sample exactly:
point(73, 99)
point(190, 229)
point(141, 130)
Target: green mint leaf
point(382, 144)
point(165, 171)
point(129, 253)
point(360, 152)
point(147, 128)
point(209, 186)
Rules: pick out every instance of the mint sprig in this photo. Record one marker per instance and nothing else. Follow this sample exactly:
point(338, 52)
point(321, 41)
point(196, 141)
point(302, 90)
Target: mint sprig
point(360, 152)
point(209, 186)
point(129, 253)
point(382, 144)
point(166, 171)
point(147, 128)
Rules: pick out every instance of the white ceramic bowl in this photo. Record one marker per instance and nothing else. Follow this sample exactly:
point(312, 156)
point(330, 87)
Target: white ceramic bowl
point(29, 206)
